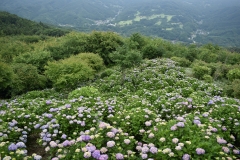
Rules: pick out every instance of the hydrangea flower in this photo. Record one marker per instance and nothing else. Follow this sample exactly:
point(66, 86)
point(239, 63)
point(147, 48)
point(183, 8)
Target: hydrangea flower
point(145, 149)
point(119, 156)
point(12, 147)
point(21, 145)
point(96, 154)
point(127, 141)
point(53, 144)
point(110, 144)
point(180, 124)
point(103, 157)
point(200, 151)
point(173, 128)
point(153, 150)
point(144, 156)
point(186, 157)
point(110, 134)
point(87, 154)
point(175, 140)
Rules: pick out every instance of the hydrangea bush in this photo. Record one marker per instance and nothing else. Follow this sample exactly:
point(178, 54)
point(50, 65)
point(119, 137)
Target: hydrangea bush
point(157, 113)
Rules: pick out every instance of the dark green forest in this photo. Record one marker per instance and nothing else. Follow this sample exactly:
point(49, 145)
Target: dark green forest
point(35, 56)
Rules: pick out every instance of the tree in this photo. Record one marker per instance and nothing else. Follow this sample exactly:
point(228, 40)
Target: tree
point(70, 72)
point(126, 58)
point(26, 78)
point(6, 75)
point(103, 43)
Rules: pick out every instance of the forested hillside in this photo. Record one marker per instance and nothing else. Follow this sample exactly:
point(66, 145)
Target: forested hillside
point(14, 25)
point(188, 21)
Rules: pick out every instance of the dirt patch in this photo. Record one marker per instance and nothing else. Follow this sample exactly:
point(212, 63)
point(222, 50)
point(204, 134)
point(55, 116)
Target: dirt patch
point(34, 147)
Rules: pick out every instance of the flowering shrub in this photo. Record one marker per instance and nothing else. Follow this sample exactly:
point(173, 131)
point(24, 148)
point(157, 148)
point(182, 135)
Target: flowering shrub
point(87, 91)
point(158, 113)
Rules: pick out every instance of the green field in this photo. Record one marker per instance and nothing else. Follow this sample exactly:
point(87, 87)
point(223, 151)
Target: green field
point(139, 17)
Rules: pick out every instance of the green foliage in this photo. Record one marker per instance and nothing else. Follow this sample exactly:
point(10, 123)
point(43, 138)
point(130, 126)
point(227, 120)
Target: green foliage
point(87, 91)
point(68, 73)
point(46, 93)
point(236, 88)
point(126, 58)
point(103, 43)
point(93, 60)
point(207, 56)
point(200, 71)
point(138, 40)
point(151, 51)
point(32, 38)
point(37, 58)
point(233, 74)
point(6, 76)
point(107, 72)
point(26, 78)
point(192, 53)
point(207, 78)
point(11, 47)
point(183, 62)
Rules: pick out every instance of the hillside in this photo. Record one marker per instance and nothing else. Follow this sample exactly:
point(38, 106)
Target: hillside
point(188, 21)
point(159, 113)
point(14, 25)
point(100, 95)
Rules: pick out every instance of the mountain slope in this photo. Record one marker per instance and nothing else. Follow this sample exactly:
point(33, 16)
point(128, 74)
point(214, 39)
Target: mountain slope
point(13, 25)
point(190, 21)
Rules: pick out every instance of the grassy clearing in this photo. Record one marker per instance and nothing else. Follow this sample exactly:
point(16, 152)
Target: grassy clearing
point(138, 18)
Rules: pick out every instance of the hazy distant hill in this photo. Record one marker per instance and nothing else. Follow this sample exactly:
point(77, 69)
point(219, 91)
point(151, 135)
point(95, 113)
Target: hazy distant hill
point(13, 25)
point(191, 21)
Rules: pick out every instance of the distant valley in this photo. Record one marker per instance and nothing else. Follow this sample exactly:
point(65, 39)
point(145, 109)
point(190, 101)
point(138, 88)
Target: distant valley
point(187, 21)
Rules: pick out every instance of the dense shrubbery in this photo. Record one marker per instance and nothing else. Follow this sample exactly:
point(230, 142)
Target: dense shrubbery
point(37, 58)
point(87, 91)
point(116, 50)
point(73, 71)
point(26, 78)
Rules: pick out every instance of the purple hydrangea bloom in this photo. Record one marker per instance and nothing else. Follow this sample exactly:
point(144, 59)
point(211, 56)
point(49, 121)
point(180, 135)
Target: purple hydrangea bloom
point(196, 121)
point(221, 141)
point(153, 150)
point(96, 154)
point(37, 126)
point(21, 145)
point(214, 130)
point(68, 105)
point(200, 151)
point(235, 151)
point(180, 124)
point(186, 157)
point(12, 147)
point(144, 156)
point(91, 148)
point(66, 143)
point(145, 149)
point(210, 102)
point(48, 102)
point(174, 128)
point(64, 136)
point(119, 156)
point(85, 137)
point(103, 157)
